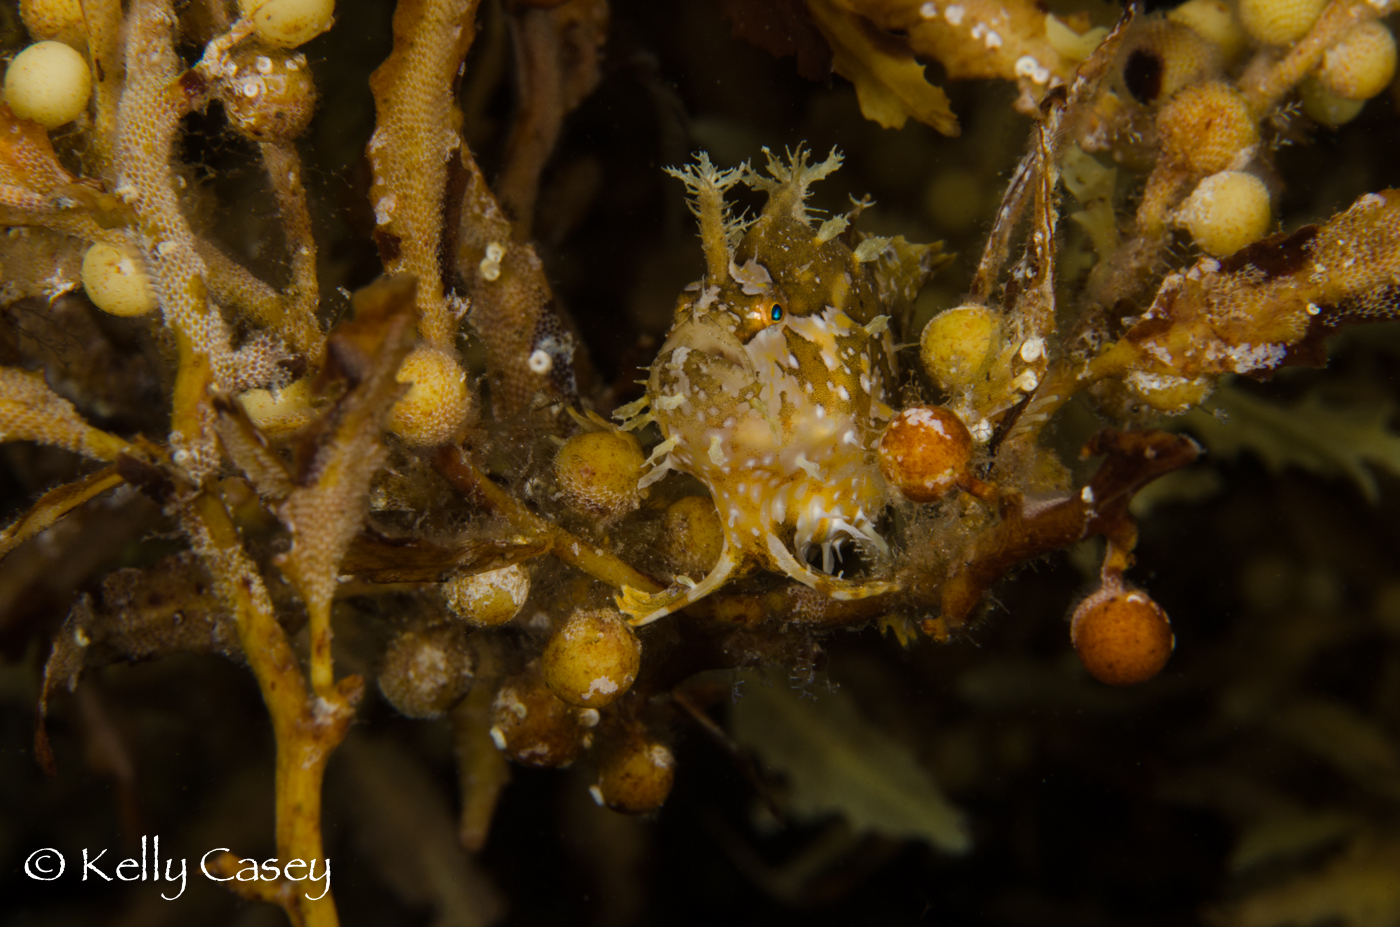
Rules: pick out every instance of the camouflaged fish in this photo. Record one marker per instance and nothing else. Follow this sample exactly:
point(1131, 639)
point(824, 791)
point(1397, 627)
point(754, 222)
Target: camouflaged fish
point(772, 387)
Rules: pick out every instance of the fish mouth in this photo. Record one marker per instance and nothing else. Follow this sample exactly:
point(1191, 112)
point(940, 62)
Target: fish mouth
point(706, 337)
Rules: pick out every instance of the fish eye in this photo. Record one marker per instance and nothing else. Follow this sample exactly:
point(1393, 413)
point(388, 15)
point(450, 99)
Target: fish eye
point(777, 313)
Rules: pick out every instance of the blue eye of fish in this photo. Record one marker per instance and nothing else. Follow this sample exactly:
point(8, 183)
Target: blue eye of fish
point(777, 315)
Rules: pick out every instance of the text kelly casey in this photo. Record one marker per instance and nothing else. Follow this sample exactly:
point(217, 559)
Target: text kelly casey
point(48, 864)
